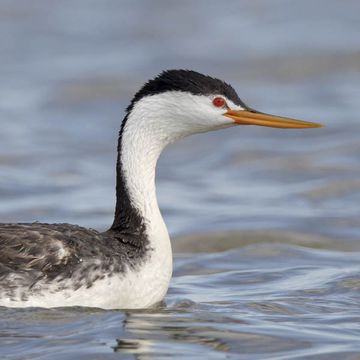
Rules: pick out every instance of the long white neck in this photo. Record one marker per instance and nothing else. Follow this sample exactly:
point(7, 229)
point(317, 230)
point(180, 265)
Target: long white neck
point(152, 123)
point(139, 155)
point(137, 212)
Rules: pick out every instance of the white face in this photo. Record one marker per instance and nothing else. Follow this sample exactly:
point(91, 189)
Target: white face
point(176, 114)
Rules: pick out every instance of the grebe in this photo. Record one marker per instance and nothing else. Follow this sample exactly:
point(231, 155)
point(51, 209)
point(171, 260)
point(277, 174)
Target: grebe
point(130, 265)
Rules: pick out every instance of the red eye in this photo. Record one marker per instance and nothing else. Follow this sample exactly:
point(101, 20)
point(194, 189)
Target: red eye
point(218, 101)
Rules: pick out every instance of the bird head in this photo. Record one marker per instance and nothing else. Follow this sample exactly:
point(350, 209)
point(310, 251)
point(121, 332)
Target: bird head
point(178, 103)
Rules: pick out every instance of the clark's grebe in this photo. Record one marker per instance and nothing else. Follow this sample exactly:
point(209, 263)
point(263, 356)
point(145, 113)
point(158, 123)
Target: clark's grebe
point(129, 265)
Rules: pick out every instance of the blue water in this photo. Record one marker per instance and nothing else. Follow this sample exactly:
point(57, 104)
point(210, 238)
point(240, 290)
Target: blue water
point(265, 223)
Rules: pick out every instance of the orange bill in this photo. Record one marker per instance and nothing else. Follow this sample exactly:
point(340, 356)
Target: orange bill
point(252, 117)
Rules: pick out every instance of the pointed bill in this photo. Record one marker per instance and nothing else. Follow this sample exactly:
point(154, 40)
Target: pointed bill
point(252, 117)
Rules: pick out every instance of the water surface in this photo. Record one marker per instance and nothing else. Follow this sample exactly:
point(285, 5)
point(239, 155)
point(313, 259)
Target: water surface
point(265, 223)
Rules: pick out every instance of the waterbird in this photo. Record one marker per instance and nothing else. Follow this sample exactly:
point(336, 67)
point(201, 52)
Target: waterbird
point(128, 266)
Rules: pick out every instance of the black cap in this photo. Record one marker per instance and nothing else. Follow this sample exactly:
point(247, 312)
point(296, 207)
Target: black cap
point(186, 81)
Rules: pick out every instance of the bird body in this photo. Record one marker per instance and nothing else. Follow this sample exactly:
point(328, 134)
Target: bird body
point(53, 265)
point(129, 265)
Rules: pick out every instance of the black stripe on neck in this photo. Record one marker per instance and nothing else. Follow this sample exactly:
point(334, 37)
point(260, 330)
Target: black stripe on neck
point(128, 223)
